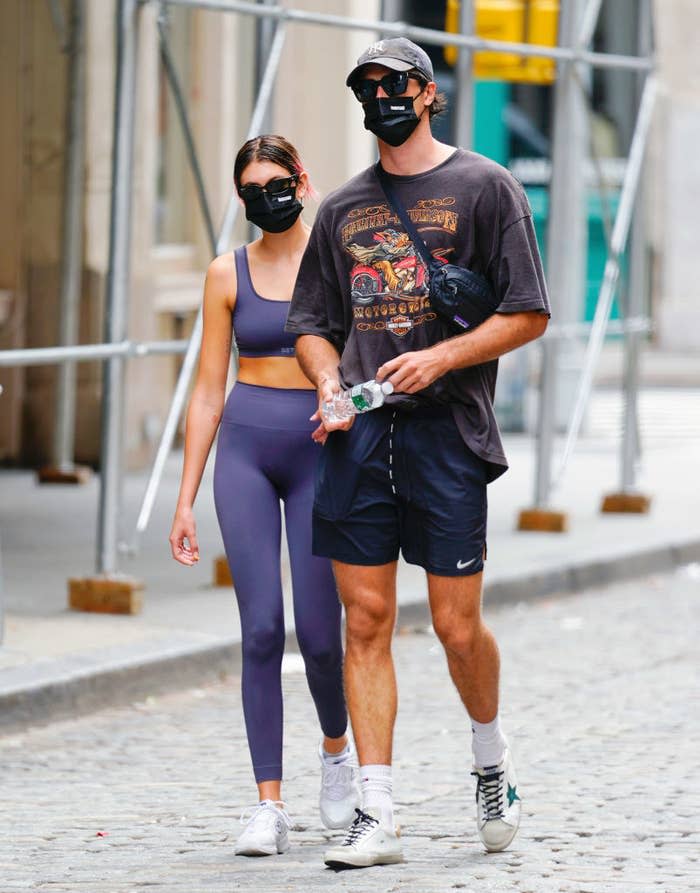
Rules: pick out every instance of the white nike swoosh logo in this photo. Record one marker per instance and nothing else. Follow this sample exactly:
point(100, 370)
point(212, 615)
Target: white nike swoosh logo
point(462, 564)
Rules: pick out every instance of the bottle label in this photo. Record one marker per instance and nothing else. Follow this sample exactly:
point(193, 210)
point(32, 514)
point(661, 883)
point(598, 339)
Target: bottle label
point(358, 398)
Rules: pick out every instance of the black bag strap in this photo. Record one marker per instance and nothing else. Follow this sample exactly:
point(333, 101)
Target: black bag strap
point(398, 208)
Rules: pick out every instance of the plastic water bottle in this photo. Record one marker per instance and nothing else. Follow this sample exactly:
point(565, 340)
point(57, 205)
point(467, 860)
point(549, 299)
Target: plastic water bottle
point(360, 398)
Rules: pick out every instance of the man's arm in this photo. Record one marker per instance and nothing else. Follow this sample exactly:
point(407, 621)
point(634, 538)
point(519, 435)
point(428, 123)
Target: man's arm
point(411, 372)
point(317, 358)
point(319, 361)
point(317, 317)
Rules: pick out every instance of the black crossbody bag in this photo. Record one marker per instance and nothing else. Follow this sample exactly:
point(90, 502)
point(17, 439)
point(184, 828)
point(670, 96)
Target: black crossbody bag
point(460, 296)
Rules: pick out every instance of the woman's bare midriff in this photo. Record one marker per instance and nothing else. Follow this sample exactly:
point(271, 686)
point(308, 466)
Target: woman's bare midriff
point(272, 372)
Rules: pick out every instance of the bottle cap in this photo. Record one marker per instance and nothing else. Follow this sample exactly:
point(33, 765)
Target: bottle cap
point(387, 387)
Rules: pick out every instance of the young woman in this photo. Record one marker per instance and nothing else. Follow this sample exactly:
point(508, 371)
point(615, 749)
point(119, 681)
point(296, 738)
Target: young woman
point(265, 454)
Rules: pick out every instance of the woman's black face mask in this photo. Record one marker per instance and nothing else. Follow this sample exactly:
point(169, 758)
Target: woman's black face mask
point(272, 209)
point(392, 119)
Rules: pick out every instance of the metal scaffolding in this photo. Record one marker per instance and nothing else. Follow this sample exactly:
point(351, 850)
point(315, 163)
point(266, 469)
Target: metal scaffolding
point(72, 249)
point(574, 57)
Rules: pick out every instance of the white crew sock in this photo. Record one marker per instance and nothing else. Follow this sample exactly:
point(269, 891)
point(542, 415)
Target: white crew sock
point(376, 786)
point(339, 757)
point(488, 743)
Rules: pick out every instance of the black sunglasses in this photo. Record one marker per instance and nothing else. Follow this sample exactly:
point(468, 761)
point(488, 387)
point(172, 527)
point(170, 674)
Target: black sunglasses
point(393, 84)
point(251, 191)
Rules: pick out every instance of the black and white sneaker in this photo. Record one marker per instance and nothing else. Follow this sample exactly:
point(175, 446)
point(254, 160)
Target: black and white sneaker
point(367, 843)
point(497, 804)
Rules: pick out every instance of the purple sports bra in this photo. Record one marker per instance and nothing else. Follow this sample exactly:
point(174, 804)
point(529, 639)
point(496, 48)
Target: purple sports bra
point(258, 322)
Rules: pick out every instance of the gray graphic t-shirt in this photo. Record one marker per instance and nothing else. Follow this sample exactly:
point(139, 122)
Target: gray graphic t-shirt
point(363, 286)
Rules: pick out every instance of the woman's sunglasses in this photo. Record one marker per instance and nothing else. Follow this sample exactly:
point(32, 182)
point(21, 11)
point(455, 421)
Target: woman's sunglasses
point(251, 191)
point(393, 84)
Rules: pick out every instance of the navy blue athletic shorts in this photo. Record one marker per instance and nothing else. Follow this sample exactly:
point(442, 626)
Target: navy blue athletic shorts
point(402, 481)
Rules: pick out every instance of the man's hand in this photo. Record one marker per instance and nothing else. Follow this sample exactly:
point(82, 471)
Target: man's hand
point(411, 372)
point(327, 389)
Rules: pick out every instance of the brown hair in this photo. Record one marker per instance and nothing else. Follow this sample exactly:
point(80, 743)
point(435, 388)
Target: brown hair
point(439, 104)
point(268, 147)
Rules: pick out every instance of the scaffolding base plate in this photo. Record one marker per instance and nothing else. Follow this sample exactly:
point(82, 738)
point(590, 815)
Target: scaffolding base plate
point(106, 594)
point(630, 503)
point(543, 520)
point(78, 474)
point(222, 572)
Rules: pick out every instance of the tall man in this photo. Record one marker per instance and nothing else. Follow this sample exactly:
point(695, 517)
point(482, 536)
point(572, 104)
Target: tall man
point(412, 475)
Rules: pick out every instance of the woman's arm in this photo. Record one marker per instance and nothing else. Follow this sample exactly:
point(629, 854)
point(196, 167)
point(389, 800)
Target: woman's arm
point(206, 403)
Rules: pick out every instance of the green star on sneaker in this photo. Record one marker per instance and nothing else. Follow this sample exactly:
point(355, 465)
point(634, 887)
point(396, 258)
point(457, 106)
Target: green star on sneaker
point(497, 804)
point(512, 795)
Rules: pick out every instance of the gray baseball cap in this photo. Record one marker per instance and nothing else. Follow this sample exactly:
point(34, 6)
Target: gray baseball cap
point(398, 54)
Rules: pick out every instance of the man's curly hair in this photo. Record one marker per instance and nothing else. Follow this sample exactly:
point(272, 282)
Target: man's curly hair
point(439, 104)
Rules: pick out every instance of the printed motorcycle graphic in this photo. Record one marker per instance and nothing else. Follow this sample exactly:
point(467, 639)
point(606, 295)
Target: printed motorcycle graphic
point(389, 269)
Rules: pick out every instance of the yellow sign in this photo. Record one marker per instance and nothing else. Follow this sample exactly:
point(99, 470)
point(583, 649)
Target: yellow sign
point(512, 21)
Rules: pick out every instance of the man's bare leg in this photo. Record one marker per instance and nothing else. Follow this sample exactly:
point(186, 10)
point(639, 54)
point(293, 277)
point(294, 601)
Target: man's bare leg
point(474, 664)
point(471, 650)
point(369, 597)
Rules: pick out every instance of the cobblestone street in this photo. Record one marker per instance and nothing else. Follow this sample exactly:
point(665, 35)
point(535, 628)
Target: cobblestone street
point(600, 702)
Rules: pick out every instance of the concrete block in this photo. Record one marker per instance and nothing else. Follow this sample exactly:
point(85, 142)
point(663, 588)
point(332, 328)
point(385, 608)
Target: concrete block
point(78, 474)
point(631, 503)
point(222, 572)
point(106, 594)
point(543, 520)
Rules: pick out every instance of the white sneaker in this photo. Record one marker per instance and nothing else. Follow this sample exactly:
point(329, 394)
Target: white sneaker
point(340, 790)
point(497, 804)
point(367, 843)
point(266, 830)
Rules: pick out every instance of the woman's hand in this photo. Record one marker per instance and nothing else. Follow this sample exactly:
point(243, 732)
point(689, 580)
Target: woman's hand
point(183, 537)
point(327, 390)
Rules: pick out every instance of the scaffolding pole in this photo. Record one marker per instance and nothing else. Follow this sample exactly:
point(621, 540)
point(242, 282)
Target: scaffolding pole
point(116, 309)
point(589, 22)
point(2, 596)
point(630, 446)
point(71, 274)
point(2, 602)
point(566, 239)
point(464, 92)
point(48, 356)
point(264, 35)
point(58, 20)
point(612, 269)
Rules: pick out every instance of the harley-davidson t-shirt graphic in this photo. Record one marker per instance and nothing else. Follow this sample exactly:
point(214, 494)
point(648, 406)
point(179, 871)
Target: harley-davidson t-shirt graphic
point(389, 278)
point(363, 286)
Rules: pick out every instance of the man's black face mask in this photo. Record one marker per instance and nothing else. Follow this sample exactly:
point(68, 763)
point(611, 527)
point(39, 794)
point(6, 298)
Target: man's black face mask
point(392, 119)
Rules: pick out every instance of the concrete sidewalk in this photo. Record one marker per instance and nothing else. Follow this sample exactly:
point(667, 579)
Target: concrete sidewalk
point(55, 662)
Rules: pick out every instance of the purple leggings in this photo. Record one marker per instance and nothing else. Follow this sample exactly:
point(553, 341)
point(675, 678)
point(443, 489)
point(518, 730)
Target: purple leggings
point(265, 454)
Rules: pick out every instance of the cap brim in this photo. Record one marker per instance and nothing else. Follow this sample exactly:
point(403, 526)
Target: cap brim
point(386, 61)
